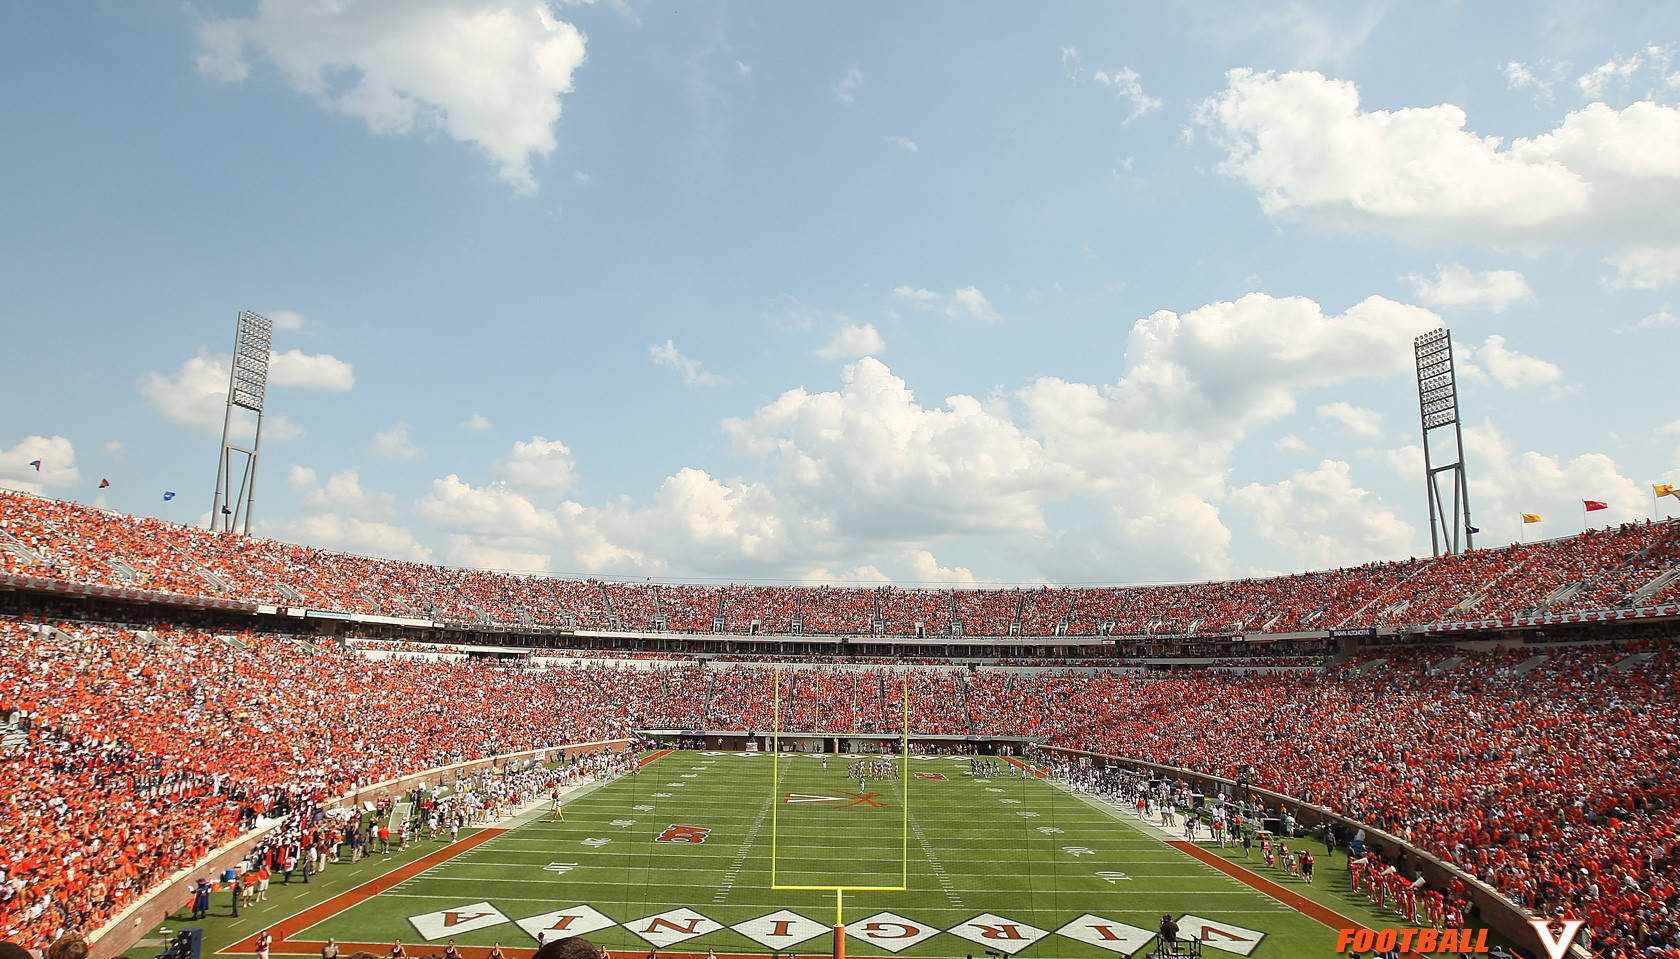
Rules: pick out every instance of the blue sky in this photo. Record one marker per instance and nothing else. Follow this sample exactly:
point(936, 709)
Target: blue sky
point(927, 293)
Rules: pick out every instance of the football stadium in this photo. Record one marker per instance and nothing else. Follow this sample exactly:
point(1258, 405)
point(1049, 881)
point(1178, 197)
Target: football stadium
point(577, 580)
point(482, 760)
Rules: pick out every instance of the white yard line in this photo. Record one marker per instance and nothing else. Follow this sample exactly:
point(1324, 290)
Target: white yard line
point(728, 884)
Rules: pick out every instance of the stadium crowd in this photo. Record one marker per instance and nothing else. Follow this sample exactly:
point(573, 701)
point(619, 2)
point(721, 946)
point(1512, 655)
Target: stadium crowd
point(1601, 568)
point(1551, 772)
point(1556, 783)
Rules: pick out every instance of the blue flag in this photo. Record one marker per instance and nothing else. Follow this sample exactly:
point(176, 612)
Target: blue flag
point(226, 511)
point(36, 464)
point(1471, 529)
point(168, 495)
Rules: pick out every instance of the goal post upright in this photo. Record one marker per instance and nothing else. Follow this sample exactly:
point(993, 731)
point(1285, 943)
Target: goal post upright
point(904, 786)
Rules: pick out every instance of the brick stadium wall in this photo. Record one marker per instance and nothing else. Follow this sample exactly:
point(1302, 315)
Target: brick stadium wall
point(146, 913)
point(1495, 910)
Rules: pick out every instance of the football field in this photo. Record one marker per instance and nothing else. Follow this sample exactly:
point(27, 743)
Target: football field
point(679, 858)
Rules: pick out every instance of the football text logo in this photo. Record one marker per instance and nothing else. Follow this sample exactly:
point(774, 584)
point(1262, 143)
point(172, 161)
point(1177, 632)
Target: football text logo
point(1413, 940)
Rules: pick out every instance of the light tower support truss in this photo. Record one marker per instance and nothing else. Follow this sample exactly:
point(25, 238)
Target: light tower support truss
point(253, 342)
point(1450, 529)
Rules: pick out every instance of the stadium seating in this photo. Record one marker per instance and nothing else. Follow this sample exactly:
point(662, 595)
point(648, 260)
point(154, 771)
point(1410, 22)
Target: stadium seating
point(1553, 773)
point(1602, 568)
point(1521, 777)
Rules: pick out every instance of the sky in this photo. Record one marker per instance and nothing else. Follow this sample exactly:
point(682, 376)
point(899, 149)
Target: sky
point(938, 293)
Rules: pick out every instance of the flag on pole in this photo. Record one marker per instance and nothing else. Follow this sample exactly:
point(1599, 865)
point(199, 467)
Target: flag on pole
point(1531, 517)
point(226, 511)
point(1472, 530)
point(168, 495)
point(36, 464)
point(1593, 504)
point(104, 483)
point(1663, 489)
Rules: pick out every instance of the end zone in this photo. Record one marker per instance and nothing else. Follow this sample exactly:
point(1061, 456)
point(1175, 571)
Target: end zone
point(283, 930)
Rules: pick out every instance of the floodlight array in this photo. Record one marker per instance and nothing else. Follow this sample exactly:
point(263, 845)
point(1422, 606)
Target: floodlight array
point(251, 349)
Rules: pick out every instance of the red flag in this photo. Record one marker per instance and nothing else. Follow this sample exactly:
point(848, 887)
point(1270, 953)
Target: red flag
point(104, 483)
point(1593, 504)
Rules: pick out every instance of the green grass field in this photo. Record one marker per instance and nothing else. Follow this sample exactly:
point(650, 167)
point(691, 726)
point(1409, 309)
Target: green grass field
point(679, 857)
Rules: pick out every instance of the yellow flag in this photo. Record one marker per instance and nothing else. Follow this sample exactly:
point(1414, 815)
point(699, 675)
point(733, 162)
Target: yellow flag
point(1662, 489)
point(1531, 517)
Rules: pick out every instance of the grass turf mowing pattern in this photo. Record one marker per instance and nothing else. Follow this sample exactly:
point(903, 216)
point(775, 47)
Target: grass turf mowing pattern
point(1018, 849)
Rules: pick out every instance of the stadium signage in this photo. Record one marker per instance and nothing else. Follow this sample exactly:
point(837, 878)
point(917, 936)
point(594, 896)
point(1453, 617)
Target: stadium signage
point(1340, 633)
point(1424, 940)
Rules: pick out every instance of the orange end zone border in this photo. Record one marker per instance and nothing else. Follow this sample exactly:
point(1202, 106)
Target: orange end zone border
point(321, 912)
point(283, 930)
point(1267, 887)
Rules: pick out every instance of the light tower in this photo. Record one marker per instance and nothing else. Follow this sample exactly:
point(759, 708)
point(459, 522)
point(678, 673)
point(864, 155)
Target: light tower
point(253, 339)
point(1438, 408)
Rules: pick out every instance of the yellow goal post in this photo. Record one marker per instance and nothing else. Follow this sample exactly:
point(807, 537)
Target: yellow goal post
point(776, 802)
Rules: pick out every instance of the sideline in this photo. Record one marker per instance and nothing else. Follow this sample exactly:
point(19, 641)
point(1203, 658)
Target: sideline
point(1310, 908)
point(312, 916)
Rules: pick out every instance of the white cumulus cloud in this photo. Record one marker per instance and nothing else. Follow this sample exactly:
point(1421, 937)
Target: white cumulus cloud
point(1454, 285)
point(1057, 480)
point(1311, 153)
point(342, 492)
point(1661, 320)
point(58, 464)
point(394, 444)
point(310, 371)
point(1506, 367)
point(540, 464)
point(1127, 86)
point(1617, 74)
point(1353, 420)
point(966, 303)
point(195, 394)
point(486, 72)
point(1320, 519)
point(1504, 483)
point(667, 354)
point(342, 514)
point(1518, 76)
point(851, 341)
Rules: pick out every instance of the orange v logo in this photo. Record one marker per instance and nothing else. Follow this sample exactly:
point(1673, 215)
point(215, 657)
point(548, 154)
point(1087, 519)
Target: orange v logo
point(1556, 945)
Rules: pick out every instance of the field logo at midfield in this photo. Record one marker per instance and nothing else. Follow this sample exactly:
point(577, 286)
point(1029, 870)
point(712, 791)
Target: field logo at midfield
point(848, 800)
point(1224, 936)
point(565, 923)
point(673, 926)
point(453, 922)
point(997, 933)
point(780, 931)
point(892, 933)
point(675, 833)
point(1106, 934)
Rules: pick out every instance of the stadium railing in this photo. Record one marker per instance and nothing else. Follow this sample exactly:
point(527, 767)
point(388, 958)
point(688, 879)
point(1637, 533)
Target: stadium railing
point(1499, 913)
point(127, 927)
